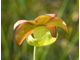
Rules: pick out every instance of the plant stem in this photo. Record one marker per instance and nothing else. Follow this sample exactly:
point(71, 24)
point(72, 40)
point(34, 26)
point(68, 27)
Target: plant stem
point(34, 53)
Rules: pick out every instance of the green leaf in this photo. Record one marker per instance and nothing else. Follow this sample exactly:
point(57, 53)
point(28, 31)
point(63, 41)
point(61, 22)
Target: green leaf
point(23, 31)
point(46, 40)
point(57, 22)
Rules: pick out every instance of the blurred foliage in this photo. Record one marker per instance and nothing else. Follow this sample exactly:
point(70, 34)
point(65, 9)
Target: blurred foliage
point(66, 46)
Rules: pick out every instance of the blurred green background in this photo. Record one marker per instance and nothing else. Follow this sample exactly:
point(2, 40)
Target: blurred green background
point(66, 46)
